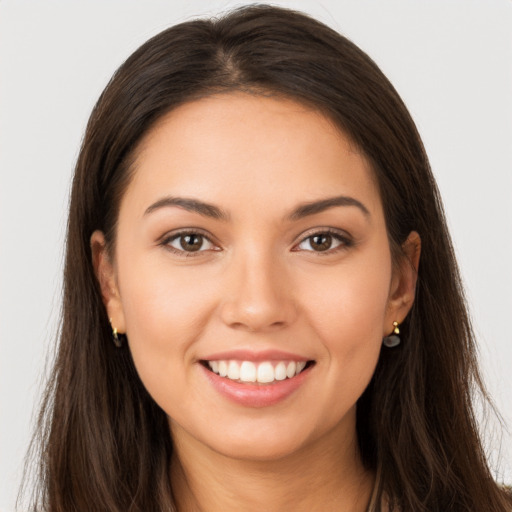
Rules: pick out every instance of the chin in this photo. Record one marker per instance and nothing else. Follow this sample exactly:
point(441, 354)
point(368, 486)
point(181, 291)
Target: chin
point(257, 449)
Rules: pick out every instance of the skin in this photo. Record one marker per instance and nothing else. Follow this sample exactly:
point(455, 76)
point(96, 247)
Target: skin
point(258, 282)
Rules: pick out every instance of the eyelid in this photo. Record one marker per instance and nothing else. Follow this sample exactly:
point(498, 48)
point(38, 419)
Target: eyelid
point(174, 234)
point(345, 238)
point(340, 235)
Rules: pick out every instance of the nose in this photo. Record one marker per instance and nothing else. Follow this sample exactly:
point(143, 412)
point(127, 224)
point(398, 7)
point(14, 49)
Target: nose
point(258, 295)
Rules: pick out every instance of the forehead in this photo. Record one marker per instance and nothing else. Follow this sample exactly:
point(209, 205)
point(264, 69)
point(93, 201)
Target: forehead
point(269, 150)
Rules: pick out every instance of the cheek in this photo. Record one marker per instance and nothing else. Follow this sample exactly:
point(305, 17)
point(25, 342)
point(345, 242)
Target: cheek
point(351, 297)
point(165, 314)
point(161, 300)
point(347, 310)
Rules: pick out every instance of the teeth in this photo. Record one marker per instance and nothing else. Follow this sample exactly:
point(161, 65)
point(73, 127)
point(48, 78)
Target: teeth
point(290, 369)
point(279, 371)
point(223, 368)
point(264, 372)
point(233, 371)
point(247, 371)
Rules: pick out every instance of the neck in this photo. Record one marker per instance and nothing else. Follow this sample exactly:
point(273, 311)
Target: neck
point(320, 477)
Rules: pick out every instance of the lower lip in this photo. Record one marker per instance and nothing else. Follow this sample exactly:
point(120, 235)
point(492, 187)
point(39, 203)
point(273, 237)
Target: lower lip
point(256, 395)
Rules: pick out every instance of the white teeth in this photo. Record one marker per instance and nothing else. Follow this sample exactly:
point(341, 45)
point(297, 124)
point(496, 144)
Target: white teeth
point(264, 372)
point(247, 372)
point(280, 371)
point(290, 369)
point(300, 366)
point(233, 370)
point(223, 368)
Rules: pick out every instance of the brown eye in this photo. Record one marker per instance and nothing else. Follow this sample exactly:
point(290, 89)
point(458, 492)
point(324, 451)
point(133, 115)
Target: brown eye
point(190, 242)
point(323, 241)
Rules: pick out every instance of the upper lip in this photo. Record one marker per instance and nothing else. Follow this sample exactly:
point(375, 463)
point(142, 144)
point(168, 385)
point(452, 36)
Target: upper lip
point(256, 356)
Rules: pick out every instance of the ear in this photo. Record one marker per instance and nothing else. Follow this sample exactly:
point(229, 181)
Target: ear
point(106, 276)
point(403, 283)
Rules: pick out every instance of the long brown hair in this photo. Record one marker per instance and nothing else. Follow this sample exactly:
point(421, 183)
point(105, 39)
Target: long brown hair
point(105, 444)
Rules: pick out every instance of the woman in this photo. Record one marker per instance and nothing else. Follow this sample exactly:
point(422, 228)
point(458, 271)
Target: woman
point(262, 307)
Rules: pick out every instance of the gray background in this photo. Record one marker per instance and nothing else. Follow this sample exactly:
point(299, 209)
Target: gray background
point(451, 60)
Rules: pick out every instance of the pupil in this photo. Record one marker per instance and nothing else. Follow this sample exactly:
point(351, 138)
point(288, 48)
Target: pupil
point(321, 242)
point(191, 242)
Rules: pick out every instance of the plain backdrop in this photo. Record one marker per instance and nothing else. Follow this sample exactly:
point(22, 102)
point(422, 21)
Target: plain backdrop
point(451, 60)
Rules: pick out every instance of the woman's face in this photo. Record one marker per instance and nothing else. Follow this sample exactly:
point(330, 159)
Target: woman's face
point(251, 241)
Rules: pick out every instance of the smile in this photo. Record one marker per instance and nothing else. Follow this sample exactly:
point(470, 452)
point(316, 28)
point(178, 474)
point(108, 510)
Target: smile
point(261, 381)
point(264, 372)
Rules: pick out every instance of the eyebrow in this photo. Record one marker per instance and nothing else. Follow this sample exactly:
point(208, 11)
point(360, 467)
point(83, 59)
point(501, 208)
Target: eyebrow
point(191, 205)
point(214, 212)
point(314, 207)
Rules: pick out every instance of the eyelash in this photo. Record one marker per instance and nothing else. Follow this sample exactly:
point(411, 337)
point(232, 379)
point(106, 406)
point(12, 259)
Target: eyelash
point(166, 242)
point(344, 242)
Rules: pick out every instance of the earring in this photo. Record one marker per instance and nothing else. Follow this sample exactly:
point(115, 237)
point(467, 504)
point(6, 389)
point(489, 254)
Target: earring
point(393, 339)
point(115, 336)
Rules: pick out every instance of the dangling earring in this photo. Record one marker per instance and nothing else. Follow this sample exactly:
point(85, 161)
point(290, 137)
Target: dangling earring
point(115, 336)
point(393, 339)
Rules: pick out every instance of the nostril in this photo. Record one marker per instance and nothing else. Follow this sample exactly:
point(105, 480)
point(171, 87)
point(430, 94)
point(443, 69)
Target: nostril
point(253, 326)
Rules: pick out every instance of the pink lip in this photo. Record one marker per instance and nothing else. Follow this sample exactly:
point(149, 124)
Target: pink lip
point(249, 355)
point(256, 395)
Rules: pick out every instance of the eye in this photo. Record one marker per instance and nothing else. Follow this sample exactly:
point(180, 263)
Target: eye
point(323, 241)
point(189, 242)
